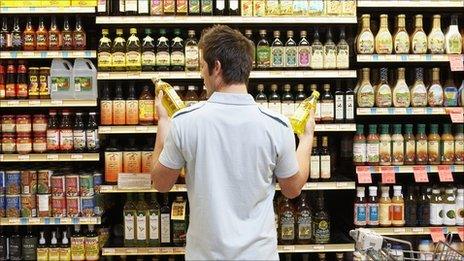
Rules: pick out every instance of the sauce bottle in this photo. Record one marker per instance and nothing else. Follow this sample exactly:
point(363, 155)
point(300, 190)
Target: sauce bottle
point(383, 92)
point(146, 107)
point(373, 146)
point(317, 113)
point(409, 145)
point(433, 145)
point(459, 144)
point(365, 40)
point(317, 52)
point(453, 40)
point(5, 38)
point(419, 91)
point(288, 101)
point(29, 36)
point(449, 211)
point(385, 150)
point(104, 52)
point(397, 146)
point(383, 39)
point(79, 133)
point(447, 145)
point(10, 83)
point(321, 222)
point(42, 248)
point(153, 221)
point(141, 229)
point(401, 93)
point(300, 95)
point(92, 249)
point(372, 208)
point(79, 36)
point(177, 52)
point(106, 106)
point(261, 97)
point(339, 104)
point(77, 244)
point(54, 36)
point(343, 51)
point(2, 82)
point(327, 105)
point(418, 38)
point(450, 93)
point(113, 162)
point(286, 222)
point(53, 132)
point(359, 146)
point(41, 36)
point(119, 106)
point(66, 132)
point(401, 38)
point(263, 52)
point(133, 52)
point(91, 133)
point(423, 208)
point(163, 57)
point(67, 35)
point(132, 157)
point(148, 52)
point(132, 106)
point(65, 247)
point(360, 212)
point(21, 82)
point(191, 52)
point(118, 50)
point(330, 52)
point(436, 208)
point(299, 119)
point(385, 207)
point(365, 94)
point(436, 38)
point(53, 251)
point(435, 92)
point(303, 219)
point(29, 246)
point(171, 101)
point(165, 224)
point(16, 37)
point(459, 206)
point(397, 203)
point(325, 159)
point(349, 105)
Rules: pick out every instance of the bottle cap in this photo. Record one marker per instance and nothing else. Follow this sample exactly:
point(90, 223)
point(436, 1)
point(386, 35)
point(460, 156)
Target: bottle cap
point(360, 191)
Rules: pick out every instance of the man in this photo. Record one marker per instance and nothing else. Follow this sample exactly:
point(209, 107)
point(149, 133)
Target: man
point(233, 151)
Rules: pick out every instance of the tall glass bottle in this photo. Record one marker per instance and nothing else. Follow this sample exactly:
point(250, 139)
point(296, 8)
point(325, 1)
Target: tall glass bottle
point(433, 145)
point(372, 208)
point(77, 244)
point(401, 94)
point(79, 133)
point(397, 203)
point(131, 7)
point(28, 36)
point(383, 92)
point(275, 103)
point(339, 104)
point(148, 58)
point(263, 52)
point(300, 117)
point(206, 7)
point(383, 39)
point(194, 7)
point(79, 36)
point(234, 7)
point(163, 58)
point(453, 40)
point(419, 91)
point(16, 36)
point(315, 172)
point(288, 101)
point(41, 36)
point(421, 145)
point(132, 106)
point(321, 222)
point(435, 91)
point(303, 219)
point(54, 36)
point(153, 221)
point(325, 159)
point(385, 207)
point(409, 145)
point(365, 93)
point(5, 37)
point(219, 7)
point(171, 100)
point(401, 37)
point(177, 52)
point(385, 149)
point(365, 40)
point(146, 107)
point(286, 222)
point(291, 51)
point(191, 52)
point(304, 51)
point(130, 214)
point(423, 208)
point(330, 52)
point(317, 52)
point(397, 145)
point(133, 52)
point(119, 106)
point(436, 38)
point(29, 246)
point(104, 52)
point(349, 105)
point(343, 52)
point(418, 38)
point(447, 145)
point(141, 221)
point(118, 52)
point(165, 223)
point(327, 105)
point(67, 35)
point(261, 97)
point(277, 52)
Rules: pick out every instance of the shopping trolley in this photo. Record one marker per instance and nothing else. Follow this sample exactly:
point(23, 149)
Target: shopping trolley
point(379, 248)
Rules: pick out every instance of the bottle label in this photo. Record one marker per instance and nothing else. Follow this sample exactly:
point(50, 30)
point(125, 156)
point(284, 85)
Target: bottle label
point(149, 58)
point(191, 57)
point(291, 56)
point(119, 112)
point(247, 7)
point(330, 58)
point(398, 151)
point(385, 151)
point(29, 247)
point(433, 151)
point(104, 59)
point(163, 58)
point(113, 166)
point(259, 7)
point(410, 151)
point(28, 41)
point(141, 226)
point(304, 225)
point(325, 166)
point(339, 108)
point(419, 43)
point(154, 226)
point(287, 226)
point(366, 43)
point(132, 112)
point(21, 90)
point(401, 42)
point(177, 58)
point(106, 108)
point(131, 5)
point(194, 6)
point(343, 58)
point(435, 95)
point(276, 107)
point(349, 106)
point(436, 42)
point(277, 57)
point(447, 151)
point(207, 6)
point(459, 152)
point(146, 110)
point(42, 253)
point(92, 140)
point(65, 253)
point(315, 167)
point(78, 248)
point(317, 58)
point(322, 232)
point(373, 151)
point(133, 58)
point(129, 226)
point(92, 249)
point(53, 140)
point(144, 7)
point(360, 214)
point(119, 59)
point(373, 216)
point(79, 40)
point(263, 56)
point(449, 214)
point(385, 214)
point(327, 111)
point(359, 151)
point(165, 228)
point(53, 40)
point(288, 109)
point(304, 53)
point(398, 212)
point(384, 96)
point(66, 139)
point(79, 139)
point(436, 214)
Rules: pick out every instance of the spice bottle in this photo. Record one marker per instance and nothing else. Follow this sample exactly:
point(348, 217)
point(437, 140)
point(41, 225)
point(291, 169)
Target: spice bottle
point(360, 212)
point(397, 207)
point(372, 208)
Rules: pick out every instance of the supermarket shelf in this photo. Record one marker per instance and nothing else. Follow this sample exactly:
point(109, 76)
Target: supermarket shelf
point(134, 129)
point(409, 168)
point(47, 103)
point(404, 231)
point(49, 157)
point(50, 221)
point(130, 251)
point(344, 185)
point(410, 3)
point(225, 20)
point(401, 111)
point(402, 58)
point(254, 75)
point(47, 10)
point(47, 54)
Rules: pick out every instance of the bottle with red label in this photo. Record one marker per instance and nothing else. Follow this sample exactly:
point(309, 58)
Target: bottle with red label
point(53, 132)
point(2, 82)
point(29, 36)
point(66, 132)
point(54, 36)
point(10, 84)
point(41, 36)
point(79, 37)
point(67, 35)
point(21, 81)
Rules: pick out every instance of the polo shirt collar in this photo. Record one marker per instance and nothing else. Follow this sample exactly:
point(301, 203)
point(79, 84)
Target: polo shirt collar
point(232, 98)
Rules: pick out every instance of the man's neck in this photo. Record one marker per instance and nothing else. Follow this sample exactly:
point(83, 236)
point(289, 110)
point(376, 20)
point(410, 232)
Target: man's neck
point(234, 88)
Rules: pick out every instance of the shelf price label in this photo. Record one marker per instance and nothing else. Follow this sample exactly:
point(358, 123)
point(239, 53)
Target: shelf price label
point(456, 114)
point(444, 173)
point(456, 62)
point(388, 175)
point(420, 174)
point(364, 175)
point(437, 234)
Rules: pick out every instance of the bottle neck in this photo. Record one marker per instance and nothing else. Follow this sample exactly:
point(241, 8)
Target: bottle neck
point(419, 75)
point(437, 23)
point(418, 23)
point(384, 22)
point(366, 23)
point(436, 77)
point(365, 77)
point(401, 75)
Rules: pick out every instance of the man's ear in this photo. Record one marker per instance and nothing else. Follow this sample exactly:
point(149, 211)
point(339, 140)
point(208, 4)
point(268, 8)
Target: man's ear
point(217, 67)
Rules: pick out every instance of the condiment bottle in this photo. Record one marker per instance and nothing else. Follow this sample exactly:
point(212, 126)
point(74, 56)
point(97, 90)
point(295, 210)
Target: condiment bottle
point(401, 37)
point(418, 38)
point(148, 52)
point(263, 52)
point(401, 94)
point(119, 106)
point(423, 208)
point(261, 97)
point(21, 81)
point(315, 173)
point(383, 39)
point(288, 101)
point(327, 105)
point(436, 38)
point(453, 40)
point(321, 222)
point(447, 145)
point(419, 91)
point(104, 52)
point(277, 51)
point(383, 92)
point(339, 104)
point(325, 159)
point(317, 113)
point(67, 35)
point(330, 52)
point(433, 145)
point(130, 222)
point(163, 57)
point(409, 145)
point(42, 248)
point(54, 36)
point(53, 251)
point(66, 132)
point(373, 146)
point(132, 157)
point(385, 150)
point(146, 107)
point(435, 92)
point(5, 45)
point(365, 94)
point(79, 37)
point(450, 93)
point(91, 133)
point(177, 52)
point(303, 219)
point(191, 96)
point(286, 222)
point(385, 208)
point(2, 82)
point(29, 36)
point(133, 52)
point(360, 212)
point(459, 144)
point(41, 36)
point(343, 51)
point(53, 133)
point(317, 52)
point(304, 51)
point(113, 162)
point(274, 100)
point(106, 106)
point(91, 243)
point(291, 51)
point(397, 203)
point(300, 117)
point(397, 146)
point(421, 145)
point(436, 208)
point(359, 146)
point(171, 101)
point(459, 207)
point(449, 211)
point(77, 244)
point(10, 83)
point(372, 208)
point(132, 106)
point(365, 40)
point(16, 41)
point(79, 133)
point(192, 52)
point(410, 207)
point(118, 56)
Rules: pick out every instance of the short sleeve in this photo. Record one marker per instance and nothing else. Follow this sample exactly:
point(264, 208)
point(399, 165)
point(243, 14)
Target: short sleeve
point(287, 163)
point(171, 155)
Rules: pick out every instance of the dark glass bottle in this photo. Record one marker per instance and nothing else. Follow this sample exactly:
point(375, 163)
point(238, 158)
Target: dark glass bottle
point(54, 41)
point(177, 52)
point(165, 221)
point(220, 7)
point(29, 43)
point(119, 106)
point(21, 81)
point(410, 207)
point(349, 105)
point(303, 220)
point(339, 104)
point(29, 245)
point(66, 133)
point(15, 245)
point(91, 133)
point(234, 7)
point(321, 222)
point(5, 36)
point(53, 133)
point(67, 35)
point(249, 35)
point(261, 97)
point(148, 52)
point(16, 37)
point(10, 83)
point(3, 245)
point(286, 222)
point(79, 36)
point(79, 133)
point(423, 208)
point(41, 36)
point(163, 59)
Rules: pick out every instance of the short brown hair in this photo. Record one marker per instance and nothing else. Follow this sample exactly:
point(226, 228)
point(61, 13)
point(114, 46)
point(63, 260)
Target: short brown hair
point(233, 50)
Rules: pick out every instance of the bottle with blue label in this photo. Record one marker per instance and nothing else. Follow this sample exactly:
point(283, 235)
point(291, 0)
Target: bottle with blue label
point(360, 208)
point(461, 95)
point(450, 93)
point(372, 208)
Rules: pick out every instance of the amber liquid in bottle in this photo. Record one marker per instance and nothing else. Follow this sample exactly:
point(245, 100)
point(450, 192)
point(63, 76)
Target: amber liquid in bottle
point(146, 107)
point(29, 37)
point(171, 101)
point(79, 36)
point(41, 36)
point(67, 35)
point(54, 36)
point(132, 106)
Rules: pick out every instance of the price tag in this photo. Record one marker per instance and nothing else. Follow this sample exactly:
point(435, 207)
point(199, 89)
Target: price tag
point(417, 230)
point(444, 173)
point(289, 248)
point(277, 73)
point(109, 250)
point(388, 175)
point(420, 174)
point(461, 233)
point(65, 221)
point(77, 156)
point(133, 74)
point(364, 175)
point(34, 102)
point(456, 62)
point(364, 111)
point(400, 111)
point(404, 57)
point(391, 57)
point(456, 114)
point(347, 127)
point(178, 250)
point(290, 73)
point(56, 102)
point(344, 73)
point(318, 247)
point(192, 75)
point(105, 129)
point(437, 110)
point(418, 111)
point(141, 128)
point(52, 54)
point(52, 156)
point(437, 234)
point(330, 127)
point(13, 103)
point(342, 184)
point(34, 221)
point(23, 157)
point(1, 157)
point(415, 57)
point(28, 54)
point(382, 110)
point(77, 54)
point(103, 75)
point(399, 230)
point(132, 250)
point(310, 185)
point(152, 251)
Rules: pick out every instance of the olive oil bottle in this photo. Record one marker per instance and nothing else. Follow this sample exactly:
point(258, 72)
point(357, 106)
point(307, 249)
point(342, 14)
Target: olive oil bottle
point(133, 52)
point(171, 100)
point(300, 117)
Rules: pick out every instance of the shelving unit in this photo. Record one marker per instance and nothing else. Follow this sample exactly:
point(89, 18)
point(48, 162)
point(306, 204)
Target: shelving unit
point(49, 157)
point(155, 20)
point(410, 168)
point(46, 103)
point(401, 111)
point(47, 10)
point(373, 58)
point(411, 231)
point(47, 54)
point(319, 74)
point(411, 4)
point(50, 221)
point(131, 251)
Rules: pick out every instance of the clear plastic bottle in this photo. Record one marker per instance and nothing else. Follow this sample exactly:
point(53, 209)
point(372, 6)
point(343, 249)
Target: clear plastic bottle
point(171, 101)
point(299, 119)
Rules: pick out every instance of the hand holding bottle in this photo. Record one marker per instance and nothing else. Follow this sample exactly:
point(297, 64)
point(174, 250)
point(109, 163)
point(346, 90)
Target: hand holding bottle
point(160, 110)
point(310, 125)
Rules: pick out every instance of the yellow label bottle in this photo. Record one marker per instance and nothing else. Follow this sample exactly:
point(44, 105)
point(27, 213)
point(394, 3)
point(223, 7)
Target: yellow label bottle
point(385, 208)
point(383, 39)
point(171, 101)
point(436, 38)
point(300, 117)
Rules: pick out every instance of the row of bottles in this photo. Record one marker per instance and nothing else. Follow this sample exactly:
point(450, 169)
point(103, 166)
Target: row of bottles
point(42, 39)
point(332, 107)
point(436, 42)
point(50, 244)
point(433, 94)
point(320, 159)
point(423, 206)
point(228, 7)
point(403, 147)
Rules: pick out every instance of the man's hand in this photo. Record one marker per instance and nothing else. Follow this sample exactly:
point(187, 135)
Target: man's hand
point(160, 110)
point(310, 126)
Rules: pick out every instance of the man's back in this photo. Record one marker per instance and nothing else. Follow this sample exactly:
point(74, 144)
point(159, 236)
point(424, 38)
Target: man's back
point(232, 149)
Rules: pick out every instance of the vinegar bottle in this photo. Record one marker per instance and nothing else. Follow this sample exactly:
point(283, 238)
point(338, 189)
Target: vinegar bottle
point(300, 117)
point(171, 101)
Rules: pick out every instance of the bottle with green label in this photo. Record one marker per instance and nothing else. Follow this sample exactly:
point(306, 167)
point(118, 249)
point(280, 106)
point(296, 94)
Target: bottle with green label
point(177, 52)
point(277, 52)
point(263, 52)
point(141, 221)
point(165, 222)
point(118, 52)
point(163, 59)
point(194, 7)
point(148, 52)
point(153, 222)
point(133, 56)
point(130, 214)
point(206, 7)
point(291, 51)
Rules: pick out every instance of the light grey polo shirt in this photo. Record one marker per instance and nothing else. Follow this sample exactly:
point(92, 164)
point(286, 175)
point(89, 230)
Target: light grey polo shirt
point(233, 151)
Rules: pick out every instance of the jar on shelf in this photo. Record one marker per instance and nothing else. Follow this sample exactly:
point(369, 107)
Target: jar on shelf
point(9, 143)
point(8, 124)
point(39, 145)
point(39, 123)
point(24, 143)
point(23, 124)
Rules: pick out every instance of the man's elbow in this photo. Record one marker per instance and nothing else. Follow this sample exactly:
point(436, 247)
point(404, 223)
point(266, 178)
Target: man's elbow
point(291, 193)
